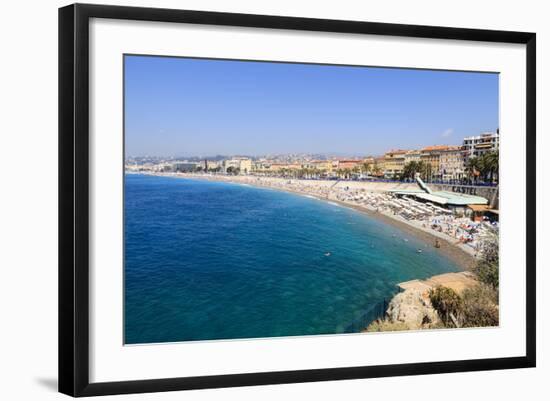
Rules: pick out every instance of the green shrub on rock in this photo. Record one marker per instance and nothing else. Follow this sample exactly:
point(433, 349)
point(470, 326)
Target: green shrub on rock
point(448, 305)
point(480, 307)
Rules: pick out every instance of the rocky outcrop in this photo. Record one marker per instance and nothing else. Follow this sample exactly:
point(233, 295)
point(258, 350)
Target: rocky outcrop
point(413, 308)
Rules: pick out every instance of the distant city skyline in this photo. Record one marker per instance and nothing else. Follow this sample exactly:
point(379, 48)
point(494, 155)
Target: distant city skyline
point(196, 107)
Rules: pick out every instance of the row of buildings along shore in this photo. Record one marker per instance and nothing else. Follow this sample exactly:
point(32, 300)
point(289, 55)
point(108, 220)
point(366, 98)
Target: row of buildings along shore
point(440, 162)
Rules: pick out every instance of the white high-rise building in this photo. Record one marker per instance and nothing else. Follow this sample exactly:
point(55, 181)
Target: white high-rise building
point(474, 146)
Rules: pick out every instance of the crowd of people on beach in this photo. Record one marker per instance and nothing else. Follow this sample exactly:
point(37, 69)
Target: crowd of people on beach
point(423, 215)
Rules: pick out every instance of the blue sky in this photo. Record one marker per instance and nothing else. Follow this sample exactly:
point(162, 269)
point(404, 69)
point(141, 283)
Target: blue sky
point(185, 107)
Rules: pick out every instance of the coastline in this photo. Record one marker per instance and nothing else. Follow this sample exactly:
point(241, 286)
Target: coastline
point(457, 254)
point(460, 254)
point(409, 305)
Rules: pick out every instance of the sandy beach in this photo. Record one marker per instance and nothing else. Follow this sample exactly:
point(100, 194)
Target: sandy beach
point(463, 255)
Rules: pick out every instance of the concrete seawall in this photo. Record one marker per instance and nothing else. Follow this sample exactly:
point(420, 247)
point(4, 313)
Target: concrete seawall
point(486, 192)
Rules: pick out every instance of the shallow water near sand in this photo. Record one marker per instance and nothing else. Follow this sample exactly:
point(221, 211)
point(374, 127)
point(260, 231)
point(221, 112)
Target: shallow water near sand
point(209, 260)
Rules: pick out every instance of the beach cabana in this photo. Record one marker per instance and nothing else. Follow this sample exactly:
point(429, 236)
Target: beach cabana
point(478, 211)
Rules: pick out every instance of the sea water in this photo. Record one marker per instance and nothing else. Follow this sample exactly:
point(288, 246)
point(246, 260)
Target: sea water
point(209, 260)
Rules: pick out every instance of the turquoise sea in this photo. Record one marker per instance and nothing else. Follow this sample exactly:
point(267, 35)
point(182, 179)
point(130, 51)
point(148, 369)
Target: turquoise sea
point(208, 261)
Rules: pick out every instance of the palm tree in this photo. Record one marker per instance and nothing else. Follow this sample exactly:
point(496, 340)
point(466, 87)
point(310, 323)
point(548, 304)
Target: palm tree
point(422, 166)
point(472, 168)
point(411, 168)
point(343, 173)
point(491, 164)
point(484, 168)
point(496, 161)
point(425, 170)
point(366, 168)
point(487, 165)
point(417, 167)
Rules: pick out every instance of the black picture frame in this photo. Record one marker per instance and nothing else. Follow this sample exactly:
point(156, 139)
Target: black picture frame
point(74, 198)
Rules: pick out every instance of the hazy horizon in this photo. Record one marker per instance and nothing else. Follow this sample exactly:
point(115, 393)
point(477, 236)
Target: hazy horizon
point(183, 107)
point(225, 155)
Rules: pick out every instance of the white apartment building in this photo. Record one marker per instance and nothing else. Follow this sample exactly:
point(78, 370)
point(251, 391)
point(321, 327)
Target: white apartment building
point(475, 146)
point(244, 164)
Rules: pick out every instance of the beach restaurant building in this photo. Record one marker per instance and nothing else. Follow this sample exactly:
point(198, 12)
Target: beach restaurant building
point(458, 203)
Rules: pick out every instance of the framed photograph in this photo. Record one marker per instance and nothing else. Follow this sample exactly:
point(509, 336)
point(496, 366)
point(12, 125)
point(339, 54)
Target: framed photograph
point(251, 199)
